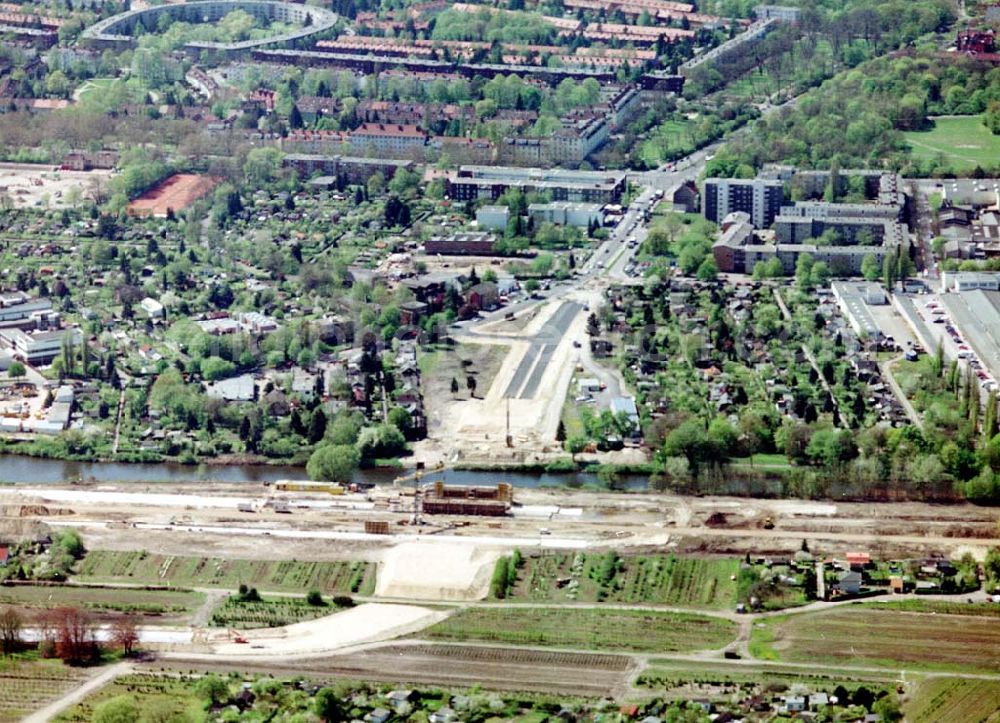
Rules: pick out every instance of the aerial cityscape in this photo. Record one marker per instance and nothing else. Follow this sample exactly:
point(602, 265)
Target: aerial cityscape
point(544, 361)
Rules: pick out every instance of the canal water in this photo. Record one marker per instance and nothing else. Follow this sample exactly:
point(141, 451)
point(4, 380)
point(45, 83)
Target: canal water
point(33, 470)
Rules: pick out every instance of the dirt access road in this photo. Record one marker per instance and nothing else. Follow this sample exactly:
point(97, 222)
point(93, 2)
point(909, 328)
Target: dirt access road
point(155, 518)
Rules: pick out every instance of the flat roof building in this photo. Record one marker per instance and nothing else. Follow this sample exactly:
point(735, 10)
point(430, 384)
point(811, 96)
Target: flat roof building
point(491, 182)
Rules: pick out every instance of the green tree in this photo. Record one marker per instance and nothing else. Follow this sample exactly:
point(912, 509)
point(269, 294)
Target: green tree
point(16, 370)
point(889, 273)
point(328, 705)
point(869, 267)
point(707, 269)
point(803, 271)
point(317, 425)
point(992, 117)
point(212, 689)
point(333, 463)
point(120, 709)
point(887, 709)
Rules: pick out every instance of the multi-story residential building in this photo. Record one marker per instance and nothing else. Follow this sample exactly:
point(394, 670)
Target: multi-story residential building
point(759, 197)
point(733, 49)
point(390, 140)
point(472, 183)
point(784, 13)
point(863, 229)
point(350, 169)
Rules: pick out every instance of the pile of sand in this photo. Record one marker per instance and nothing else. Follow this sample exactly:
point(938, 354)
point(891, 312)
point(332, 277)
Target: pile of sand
point(368, 623)
point(436, 570)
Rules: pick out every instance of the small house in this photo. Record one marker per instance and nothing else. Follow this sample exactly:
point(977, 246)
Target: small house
point(398, 697)
point(795, 703)
point(4, 555)
point(849, 583)
point(442, 715)
point(379, 715)
point(858, 560)
point(818, 700)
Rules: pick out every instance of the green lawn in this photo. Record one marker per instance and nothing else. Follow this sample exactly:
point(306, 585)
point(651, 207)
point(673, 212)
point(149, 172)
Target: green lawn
point(963, 141)
point(638, 630)
point(669, 136)
point(94, 85)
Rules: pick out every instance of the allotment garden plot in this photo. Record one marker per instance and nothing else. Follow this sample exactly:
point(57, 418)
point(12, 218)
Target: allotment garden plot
point(862, 636)
point(292, 576)
point(954, 699)
point(651, 579)
point(159, 606)
point(27, 685)
point(590, 629)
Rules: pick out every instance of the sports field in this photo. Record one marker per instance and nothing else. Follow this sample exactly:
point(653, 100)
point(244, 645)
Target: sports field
point(175, 193)
point(961, 141)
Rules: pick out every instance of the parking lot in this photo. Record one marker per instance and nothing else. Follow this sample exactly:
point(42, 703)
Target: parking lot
point(965, 332)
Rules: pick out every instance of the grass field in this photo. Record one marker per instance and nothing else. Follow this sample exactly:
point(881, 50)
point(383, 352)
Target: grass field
point(669, 137)
point(94, 86)
point(279, 576)
point(164, 605)
point(636, 630)
point(26, 685)
point(962, 141)
point(954, 699)
point(872, 637)
point(658, 579)
point(270, 612)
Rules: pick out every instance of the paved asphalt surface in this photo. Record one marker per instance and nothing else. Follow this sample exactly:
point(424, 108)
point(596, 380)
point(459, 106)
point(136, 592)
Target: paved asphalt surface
point(524, 383)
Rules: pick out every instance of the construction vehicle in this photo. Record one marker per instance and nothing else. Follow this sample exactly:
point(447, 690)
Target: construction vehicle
point(237, 637)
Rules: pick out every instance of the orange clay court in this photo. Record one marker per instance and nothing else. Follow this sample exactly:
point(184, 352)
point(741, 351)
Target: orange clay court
point(177, 193)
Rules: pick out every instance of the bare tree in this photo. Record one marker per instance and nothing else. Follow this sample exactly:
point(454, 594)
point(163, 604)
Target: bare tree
point(77, 639)
point(125, 633)
point(48, 631)
point(11, 622)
